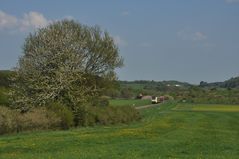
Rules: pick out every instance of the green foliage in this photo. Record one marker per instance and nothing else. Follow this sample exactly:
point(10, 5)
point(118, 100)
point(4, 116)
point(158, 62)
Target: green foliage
point(231, 83)
point(127, 93)
point(7, 120)
point(102, 101)
point(5, 82)
point(111, 115)
point(4, 98)
point(5, 78)
point(106, 115)
point(36, 119)
point(185, 92)
point(113, 93)
point(210, 96)
point(131, 89)
point(66, 62)
point(62, 112)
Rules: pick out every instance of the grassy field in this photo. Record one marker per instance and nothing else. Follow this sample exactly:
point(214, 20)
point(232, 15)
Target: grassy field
point(208, 107)
point(167, 131)
point(129, 102)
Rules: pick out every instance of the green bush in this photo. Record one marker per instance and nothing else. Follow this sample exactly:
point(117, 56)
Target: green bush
point(7, 120)
point(102, 101)
point(35, 119)
point(4, 97)
point(110, 115)
point(5, 76)
point(65, 115)
point(58, 116)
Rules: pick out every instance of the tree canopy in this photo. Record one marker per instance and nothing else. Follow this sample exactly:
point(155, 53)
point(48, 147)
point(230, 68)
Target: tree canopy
point(64, 62)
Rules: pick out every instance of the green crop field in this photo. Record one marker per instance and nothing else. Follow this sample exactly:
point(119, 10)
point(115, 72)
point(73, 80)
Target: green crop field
point(129, 102)
point(208, 107)
point(167, 131)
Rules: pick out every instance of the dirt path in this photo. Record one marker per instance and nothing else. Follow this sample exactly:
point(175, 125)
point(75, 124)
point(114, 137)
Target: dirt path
point(146, 106)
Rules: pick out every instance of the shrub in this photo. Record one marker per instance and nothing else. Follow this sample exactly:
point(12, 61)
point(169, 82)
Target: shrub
point(7, 120)
point(65, 115)
point(110, 115)
point(168, 97)
point(35, 119)
point(102, 101)
point(4, 97)
point(5, 76)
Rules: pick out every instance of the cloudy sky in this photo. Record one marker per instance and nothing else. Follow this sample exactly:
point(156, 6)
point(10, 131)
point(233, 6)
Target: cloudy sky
point(186, 40)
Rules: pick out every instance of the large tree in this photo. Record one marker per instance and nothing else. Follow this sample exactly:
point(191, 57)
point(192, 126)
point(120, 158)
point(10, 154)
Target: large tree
point(64, 62)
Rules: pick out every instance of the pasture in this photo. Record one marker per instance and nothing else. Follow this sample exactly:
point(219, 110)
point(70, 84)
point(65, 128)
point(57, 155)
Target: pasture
point(167, 131)
point(208, 107)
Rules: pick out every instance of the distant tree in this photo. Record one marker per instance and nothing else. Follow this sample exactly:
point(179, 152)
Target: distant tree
point(231, 83)
point(127, 93)
point(203, 84)
point(65, 62)
point(5, 76)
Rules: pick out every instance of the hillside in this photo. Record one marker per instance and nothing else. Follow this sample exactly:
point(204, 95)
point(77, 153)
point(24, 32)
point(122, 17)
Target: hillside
point(226, 92)
point(231, 83)
point(145, 83)
point(154, 87)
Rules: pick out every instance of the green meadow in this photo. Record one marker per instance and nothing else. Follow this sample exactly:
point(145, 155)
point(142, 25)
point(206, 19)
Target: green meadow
point(168, 131)
point(208, 107)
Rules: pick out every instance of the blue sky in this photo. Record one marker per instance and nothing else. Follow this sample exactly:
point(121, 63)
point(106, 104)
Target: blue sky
point(186, 40)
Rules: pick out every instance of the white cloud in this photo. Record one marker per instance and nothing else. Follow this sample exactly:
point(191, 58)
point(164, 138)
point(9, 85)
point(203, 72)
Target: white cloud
point(192, 36)
point(119, 41)
point(29, 21)
point(32, 20)
point(199, 36)
point(232, 1)
point(7, 21)
point(125, 13)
